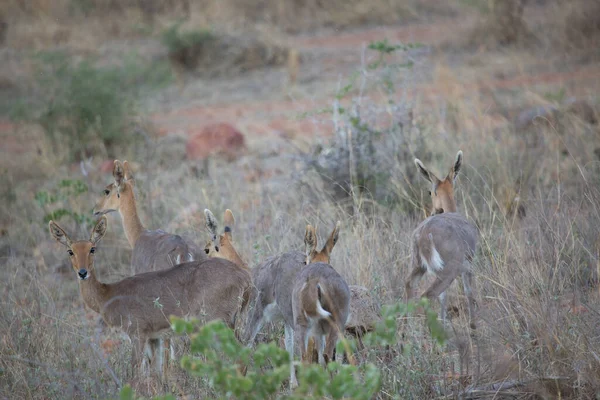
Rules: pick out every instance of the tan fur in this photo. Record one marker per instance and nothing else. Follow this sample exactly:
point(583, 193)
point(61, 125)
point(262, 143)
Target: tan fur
point(320, 301)
point(222, 245)
point(444, 244)
point(364, 311)
point(141, 304)
point(152, 249)
point(442, 190)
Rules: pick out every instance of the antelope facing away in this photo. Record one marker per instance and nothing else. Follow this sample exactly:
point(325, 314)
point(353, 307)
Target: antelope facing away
point(152, 249)
point(141, 305)
point(443, 244)
point(320, 302)
point(364, 310)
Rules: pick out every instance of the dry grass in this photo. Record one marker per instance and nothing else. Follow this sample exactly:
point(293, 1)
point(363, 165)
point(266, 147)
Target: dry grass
point(537, 276)
point(537, 270)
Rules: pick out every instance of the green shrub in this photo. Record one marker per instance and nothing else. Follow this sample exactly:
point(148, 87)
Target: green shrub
point(185, 47)
point(217, 356)
point(81, 106)
point(61, 202)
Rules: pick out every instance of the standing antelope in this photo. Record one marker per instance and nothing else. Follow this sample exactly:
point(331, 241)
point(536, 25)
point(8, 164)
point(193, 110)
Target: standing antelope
point(141, 304)
point(152, 249)
point(274, 279)
point(364, 310)
point(320, 301)
point(444, 244)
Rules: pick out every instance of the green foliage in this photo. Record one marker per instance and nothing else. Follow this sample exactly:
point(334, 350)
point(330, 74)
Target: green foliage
point(66, 192)
point(176, 40)
point(384, 48)
point(218, 357)
point(185, 47)
point(556, 96)
point(127, 393)
point(80, 105)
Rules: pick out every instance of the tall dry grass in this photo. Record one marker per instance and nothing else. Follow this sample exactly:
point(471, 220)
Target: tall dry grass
point(537, 274)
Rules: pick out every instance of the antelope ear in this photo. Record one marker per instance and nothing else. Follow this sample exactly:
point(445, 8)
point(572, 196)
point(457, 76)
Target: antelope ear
point(59, 234)
point(333, 238)
point(118, 173)
point(127, 173)
point(455, 169)
point(310, 242)
point(211, 223)
point(99, 230)
point(424, 172)
point(229, 222)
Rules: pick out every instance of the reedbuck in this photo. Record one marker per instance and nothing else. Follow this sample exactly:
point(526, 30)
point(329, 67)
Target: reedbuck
point(320, 301)
point(141, 305)
point(275, 279)
point(222, 245)
point(364, 310)
point(444, 244)
point(152, 249)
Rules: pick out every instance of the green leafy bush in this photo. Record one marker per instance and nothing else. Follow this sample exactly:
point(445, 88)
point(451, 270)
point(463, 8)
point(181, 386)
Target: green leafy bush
point(81, 106)
point(217, 357)
point(59, 203)
point(185, 46)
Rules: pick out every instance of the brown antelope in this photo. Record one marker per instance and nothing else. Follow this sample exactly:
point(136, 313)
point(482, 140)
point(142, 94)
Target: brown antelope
point(222, 245)
point(364, 310)
point(275, 279)
point(141, 305)
point(444, 244)
point(152, 249)
point(320, 301)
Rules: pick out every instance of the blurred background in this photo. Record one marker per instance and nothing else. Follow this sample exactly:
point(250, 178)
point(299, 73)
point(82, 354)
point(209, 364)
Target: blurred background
point(295, 112)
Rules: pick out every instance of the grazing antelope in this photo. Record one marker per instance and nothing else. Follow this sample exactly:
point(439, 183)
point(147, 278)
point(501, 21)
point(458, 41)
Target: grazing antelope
point(444, 244)
point(320, 301)
point(152, 249)
point(364, 310)
point(141, 304)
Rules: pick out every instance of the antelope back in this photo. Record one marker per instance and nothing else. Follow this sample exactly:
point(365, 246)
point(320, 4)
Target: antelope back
point(320, 283)
point(444, 237)
point(156, 250)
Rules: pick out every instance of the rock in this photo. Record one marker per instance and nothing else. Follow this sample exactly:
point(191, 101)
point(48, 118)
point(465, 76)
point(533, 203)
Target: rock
point(221, 138)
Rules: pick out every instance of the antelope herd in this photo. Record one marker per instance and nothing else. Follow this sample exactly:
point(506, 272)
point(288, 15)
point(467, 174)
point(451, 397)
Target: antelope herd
point(170, 276)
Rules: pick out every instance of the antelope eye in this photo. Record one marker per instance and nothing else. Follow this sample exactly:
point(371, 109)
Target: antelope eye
point(429, 192)
point(92, 250)
point(106, 192)
point(70, 252)
point(206, 251)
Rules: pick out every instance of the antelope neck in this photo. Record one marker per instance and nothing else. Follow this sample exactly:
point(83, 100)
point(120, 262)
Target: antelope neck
point(93, 292)
point(131, 221)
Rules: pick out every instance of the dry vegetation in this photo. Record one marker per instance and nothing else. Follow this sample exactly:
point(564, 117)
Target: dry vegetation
point(534, 194)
